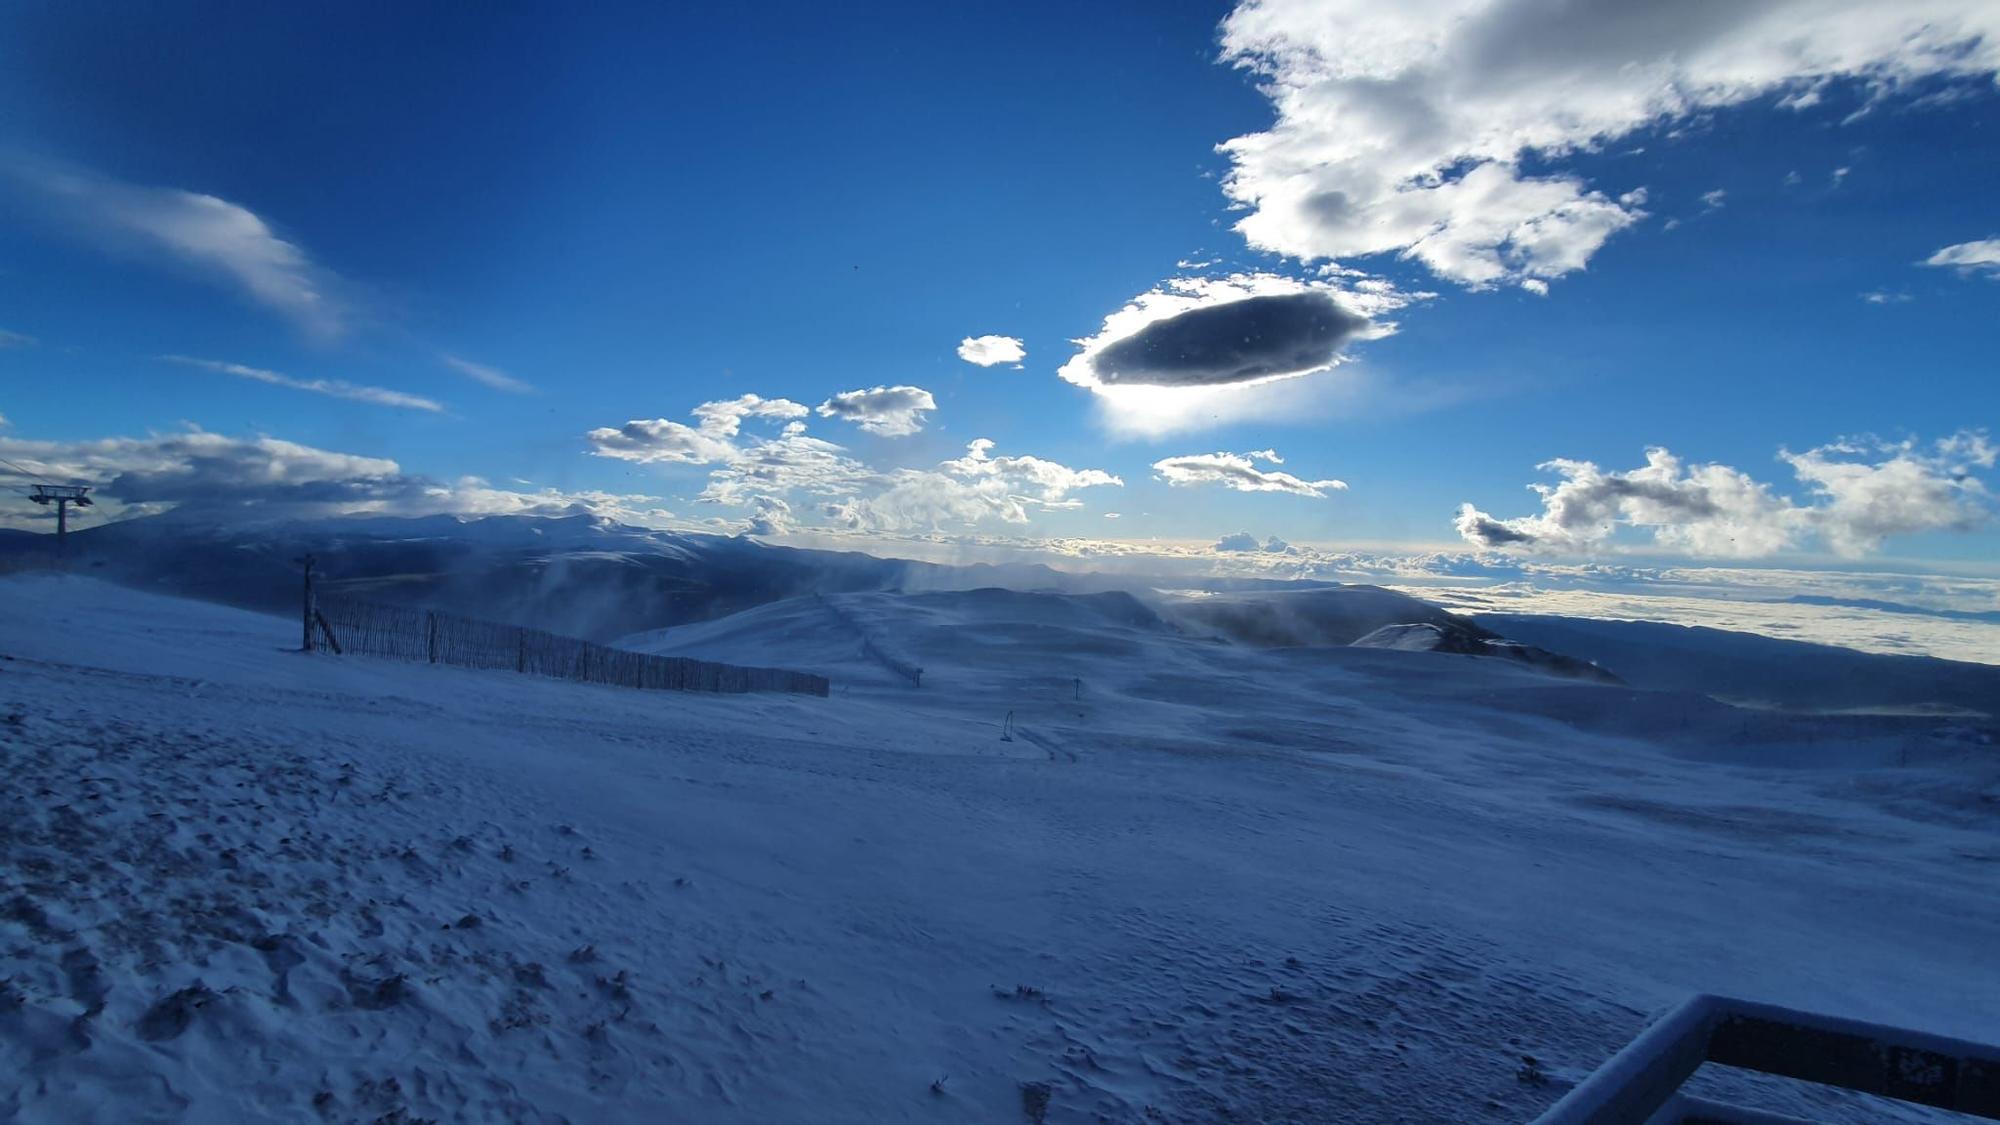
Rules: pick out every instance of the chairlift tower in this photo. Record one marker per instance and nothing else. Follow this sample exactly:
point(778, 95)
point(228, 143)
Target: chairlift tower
point(62, 496)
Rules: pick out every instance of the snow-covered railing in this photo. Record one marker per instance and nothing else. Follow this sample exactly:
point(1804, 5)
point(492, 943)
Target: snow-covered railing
point(1641, 1085)
point(406, 633)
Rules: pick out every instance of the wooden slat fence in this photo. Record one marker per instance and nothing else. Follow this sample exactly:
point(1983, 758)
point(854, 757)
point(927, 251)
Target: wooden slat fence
point(407, 633)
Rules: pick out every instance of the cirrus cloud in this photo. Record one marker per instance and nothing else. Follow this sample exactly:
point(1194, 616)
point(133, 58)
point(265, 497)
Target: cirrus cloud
point(210, 235)
point(332, 388)
point(1981, 257)
point(489, 376)
point(1238, 471)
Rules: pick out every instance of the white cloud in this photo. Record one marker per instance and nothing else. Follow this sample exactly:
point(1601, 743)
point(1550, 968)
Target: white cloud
point(1236, 471)
point(968, 490)
point(725, 416)
point(753, 471)
point(1981, 257)
point(1244, 543)
point(988, 351)
point(1858, 494)
point(223, 240)
point(332, 388)
point(1907, 489)
point(16, 340)
point(662, 440)
point(770, 516)
point(1884, 297)
point(1712, 200)
point(888, 411)
point(659, 440)
point(1408, 128)
point(794, 461)
point(1046, 481)
point(490, 376)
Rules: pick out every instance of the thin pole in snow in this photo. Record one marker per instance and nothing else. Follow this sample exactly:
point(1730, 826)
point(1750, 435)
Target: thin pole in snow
point(307, 609)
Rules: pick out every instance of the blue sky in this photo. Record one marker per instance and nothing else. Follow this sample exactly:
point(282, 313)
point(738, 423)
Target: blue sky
point(632, 211)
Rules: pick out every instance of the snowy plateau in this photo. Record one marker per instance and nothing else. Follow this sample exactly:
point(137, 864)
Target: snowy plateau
point(1176, 856)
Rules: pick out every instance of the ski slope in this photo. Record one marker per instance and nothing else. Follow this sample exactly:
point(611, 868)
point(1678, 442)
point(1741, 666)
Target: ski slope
point(1202, 881)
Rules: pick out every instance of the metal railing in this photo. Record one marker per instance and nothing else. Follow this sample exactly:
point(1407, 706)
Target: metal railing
point(408, 633)
point(1641, 1085)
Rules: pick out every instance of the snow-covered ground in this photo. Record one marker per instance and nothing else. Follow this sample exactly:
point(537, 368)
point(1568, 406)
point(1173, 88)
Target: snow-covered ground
point(1200, 882)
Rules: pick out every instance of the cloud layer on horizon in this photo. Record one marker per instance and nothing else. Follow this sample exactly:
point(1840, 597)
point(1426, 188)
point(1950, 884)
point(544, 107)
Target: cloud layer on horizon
point(200, 473)
point(1858, 494)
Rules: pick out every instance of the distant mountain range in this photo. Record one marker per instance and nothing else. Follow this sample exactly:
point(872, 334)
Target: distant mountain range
point(581, 575)
point(591, 577)
point(585, 576)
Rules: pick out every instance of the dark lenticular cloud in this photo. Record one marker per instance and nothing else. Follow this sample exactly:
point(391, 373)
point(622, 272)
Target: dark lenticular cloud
point(1237, 342)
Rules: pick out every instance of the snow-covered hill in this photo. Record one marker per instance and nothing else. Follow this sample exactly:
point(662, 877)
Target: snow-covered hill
point(580, 575)
point(237, 882)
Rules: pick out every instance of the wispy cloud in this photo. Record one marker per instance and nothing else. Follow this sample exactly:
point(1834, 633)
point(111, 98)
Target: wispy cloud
point(1237, 471)
point(1981, 257)
point(219, 239)
point(490, 376)
point(332, 388)
point(16, 339)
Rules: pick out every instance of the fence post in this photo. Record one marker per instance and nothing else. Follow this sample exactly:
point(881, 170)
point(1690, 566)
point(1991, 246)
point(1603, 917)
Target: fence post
point(306, 605)
point(431, 631)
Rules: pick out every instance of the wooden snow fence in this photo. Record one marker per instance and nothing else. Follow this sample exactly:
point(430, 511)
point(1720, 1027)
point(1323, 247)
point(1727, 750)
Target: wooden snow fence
point(435, 637)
